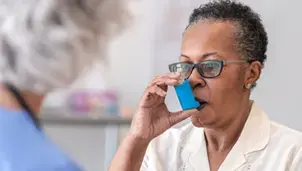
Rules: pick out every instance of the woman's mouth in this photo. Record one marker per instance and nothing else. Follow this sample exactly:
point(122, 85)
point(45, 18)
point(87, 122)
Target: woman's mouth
point(202, 103)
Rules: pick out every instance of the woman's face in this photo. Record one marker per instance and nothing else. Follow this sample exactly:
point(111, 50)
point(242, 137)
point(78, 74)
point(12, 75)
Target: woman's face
point(226, 94)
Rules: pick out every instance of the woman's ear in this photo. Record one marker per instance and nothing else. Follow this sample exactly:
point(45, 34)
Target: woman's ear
point(253, 73)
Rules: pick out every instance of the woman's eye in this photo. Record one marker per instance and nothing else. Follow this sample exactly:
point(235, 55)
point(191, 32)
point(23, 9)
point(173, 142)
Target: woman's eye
point(210, 67)
point(207, 66)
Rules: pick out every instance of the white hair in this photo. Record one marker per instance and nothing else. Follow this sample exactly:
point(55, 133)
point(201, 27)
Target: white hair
point(45, 44)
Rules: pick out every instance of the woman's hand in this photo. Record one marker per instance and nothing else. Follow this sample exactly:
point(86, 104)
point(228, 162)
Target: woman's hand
point(152, 117)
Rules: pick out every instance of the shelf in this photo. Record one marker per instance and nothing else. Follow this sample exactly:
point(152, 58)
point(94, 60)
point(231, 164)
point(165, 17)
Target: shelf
point(83, 120)
point(64, 117)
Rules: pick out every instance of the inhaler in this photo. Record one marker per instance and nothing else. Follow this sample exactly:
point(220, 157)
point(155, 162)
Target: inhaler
point(185, 95)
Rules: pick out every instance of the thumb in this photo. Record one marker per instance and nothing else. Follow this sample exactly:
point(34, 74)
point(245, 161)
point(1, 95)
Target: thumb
point(176, 117)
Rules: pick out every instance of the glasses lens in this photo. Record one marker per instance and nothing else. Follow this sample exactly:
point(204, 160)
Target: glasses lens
point(209, 69)
point(183, 68)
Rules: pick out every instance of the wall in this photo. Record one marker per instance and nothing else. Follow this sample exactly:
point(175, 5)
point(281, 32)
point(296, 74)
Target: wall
point(279, 88)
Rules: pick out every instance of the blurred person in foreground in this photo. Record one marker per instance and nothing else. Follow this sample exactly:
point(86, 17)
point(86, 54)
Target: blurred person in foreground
point(45, 45)
point(223, 51)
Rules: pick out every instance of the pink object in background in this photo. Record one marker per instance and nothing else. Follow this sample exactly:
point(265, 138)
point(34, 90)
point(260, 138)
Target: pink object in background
point(100, 102)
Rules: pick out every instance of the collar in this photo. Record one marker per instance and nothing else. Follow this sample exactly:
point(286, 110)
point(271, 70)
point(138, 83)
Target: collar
point(256, 132)
point(254, 137)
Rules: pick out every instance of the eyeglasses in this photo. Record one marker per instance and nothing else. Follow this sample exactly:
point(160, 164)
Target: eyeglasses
point(207, 69)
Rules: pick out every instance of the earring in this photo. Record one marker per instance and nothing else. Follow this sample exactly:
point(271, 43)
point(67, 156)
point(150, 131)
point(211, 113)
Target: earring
point(248, 86)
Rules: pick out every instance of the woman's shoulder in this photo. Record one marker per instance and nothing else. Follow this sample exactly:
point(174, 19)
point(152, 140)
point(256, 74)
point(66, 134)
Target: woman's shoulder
point(262, 132)
point(285, 135)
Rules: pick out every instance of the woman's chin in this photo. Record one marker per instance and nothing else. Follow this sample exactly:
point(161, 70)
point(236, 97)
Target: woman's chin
point(197, 124)
point(201, 121)
point(196, 121)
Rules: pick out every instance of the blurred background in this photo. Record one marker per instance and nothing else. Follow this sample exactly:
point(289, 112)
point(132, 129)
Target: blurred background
point(90, 119)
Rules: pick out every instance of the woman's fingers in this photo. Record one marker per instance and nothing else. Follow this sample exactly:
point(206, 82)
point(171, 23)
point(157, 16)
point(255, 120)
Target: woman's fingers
point(169, 76)
point(170, 79)
point(176, 117)
point(157, 90)
point(159, 85)
point(175, 75)
point(151, 92)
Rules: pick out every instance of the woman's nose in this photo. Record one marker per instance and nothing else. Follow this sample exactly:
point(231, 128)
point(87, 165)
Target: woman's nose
point(196, 79)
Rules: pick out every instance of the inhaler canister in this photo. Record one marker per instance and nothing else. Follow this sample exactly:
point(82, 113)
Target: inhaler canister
point(185, 95)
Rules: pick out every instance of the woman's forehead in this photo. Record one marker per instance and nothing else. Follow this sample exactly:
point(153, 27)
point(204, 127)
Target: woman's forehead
point(210, 39)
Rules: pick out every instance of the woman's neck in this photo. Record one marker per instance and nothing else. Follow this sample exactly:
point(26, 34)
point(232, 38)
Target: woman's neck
point(8, 100)
point(223, 139)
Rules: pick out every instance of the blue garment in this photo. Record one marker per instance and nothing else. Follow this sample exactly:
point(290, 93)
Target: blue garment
point(23, 147)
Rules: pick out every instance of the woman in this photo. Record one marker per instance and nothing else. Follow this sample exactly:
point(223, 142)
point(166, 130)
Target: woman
point(44, 45)
point(223, 52)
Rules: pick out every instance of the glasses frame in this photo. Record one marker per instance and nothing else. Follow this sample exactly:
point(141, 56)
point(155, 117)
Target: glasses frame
point(222, 64)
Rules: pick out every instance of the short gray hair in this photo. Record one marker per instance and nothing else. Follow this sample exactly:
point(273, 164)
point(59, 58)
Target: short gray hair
point(45, 44)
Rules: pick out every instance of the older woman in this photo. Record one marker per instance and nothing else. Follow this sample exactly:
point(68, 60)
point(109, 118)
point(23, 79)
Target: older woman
point(223, 51)
point(45, 45)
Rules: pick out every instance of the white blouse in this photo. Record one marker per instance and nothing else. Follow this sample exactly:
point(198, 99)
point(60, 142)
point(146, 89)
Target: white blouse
point(262, 146)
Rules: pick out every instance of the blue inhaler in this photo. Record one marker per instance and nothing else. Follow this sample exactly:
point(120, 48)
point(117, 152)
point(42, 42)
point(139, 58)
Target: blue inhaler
point(185, 96)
